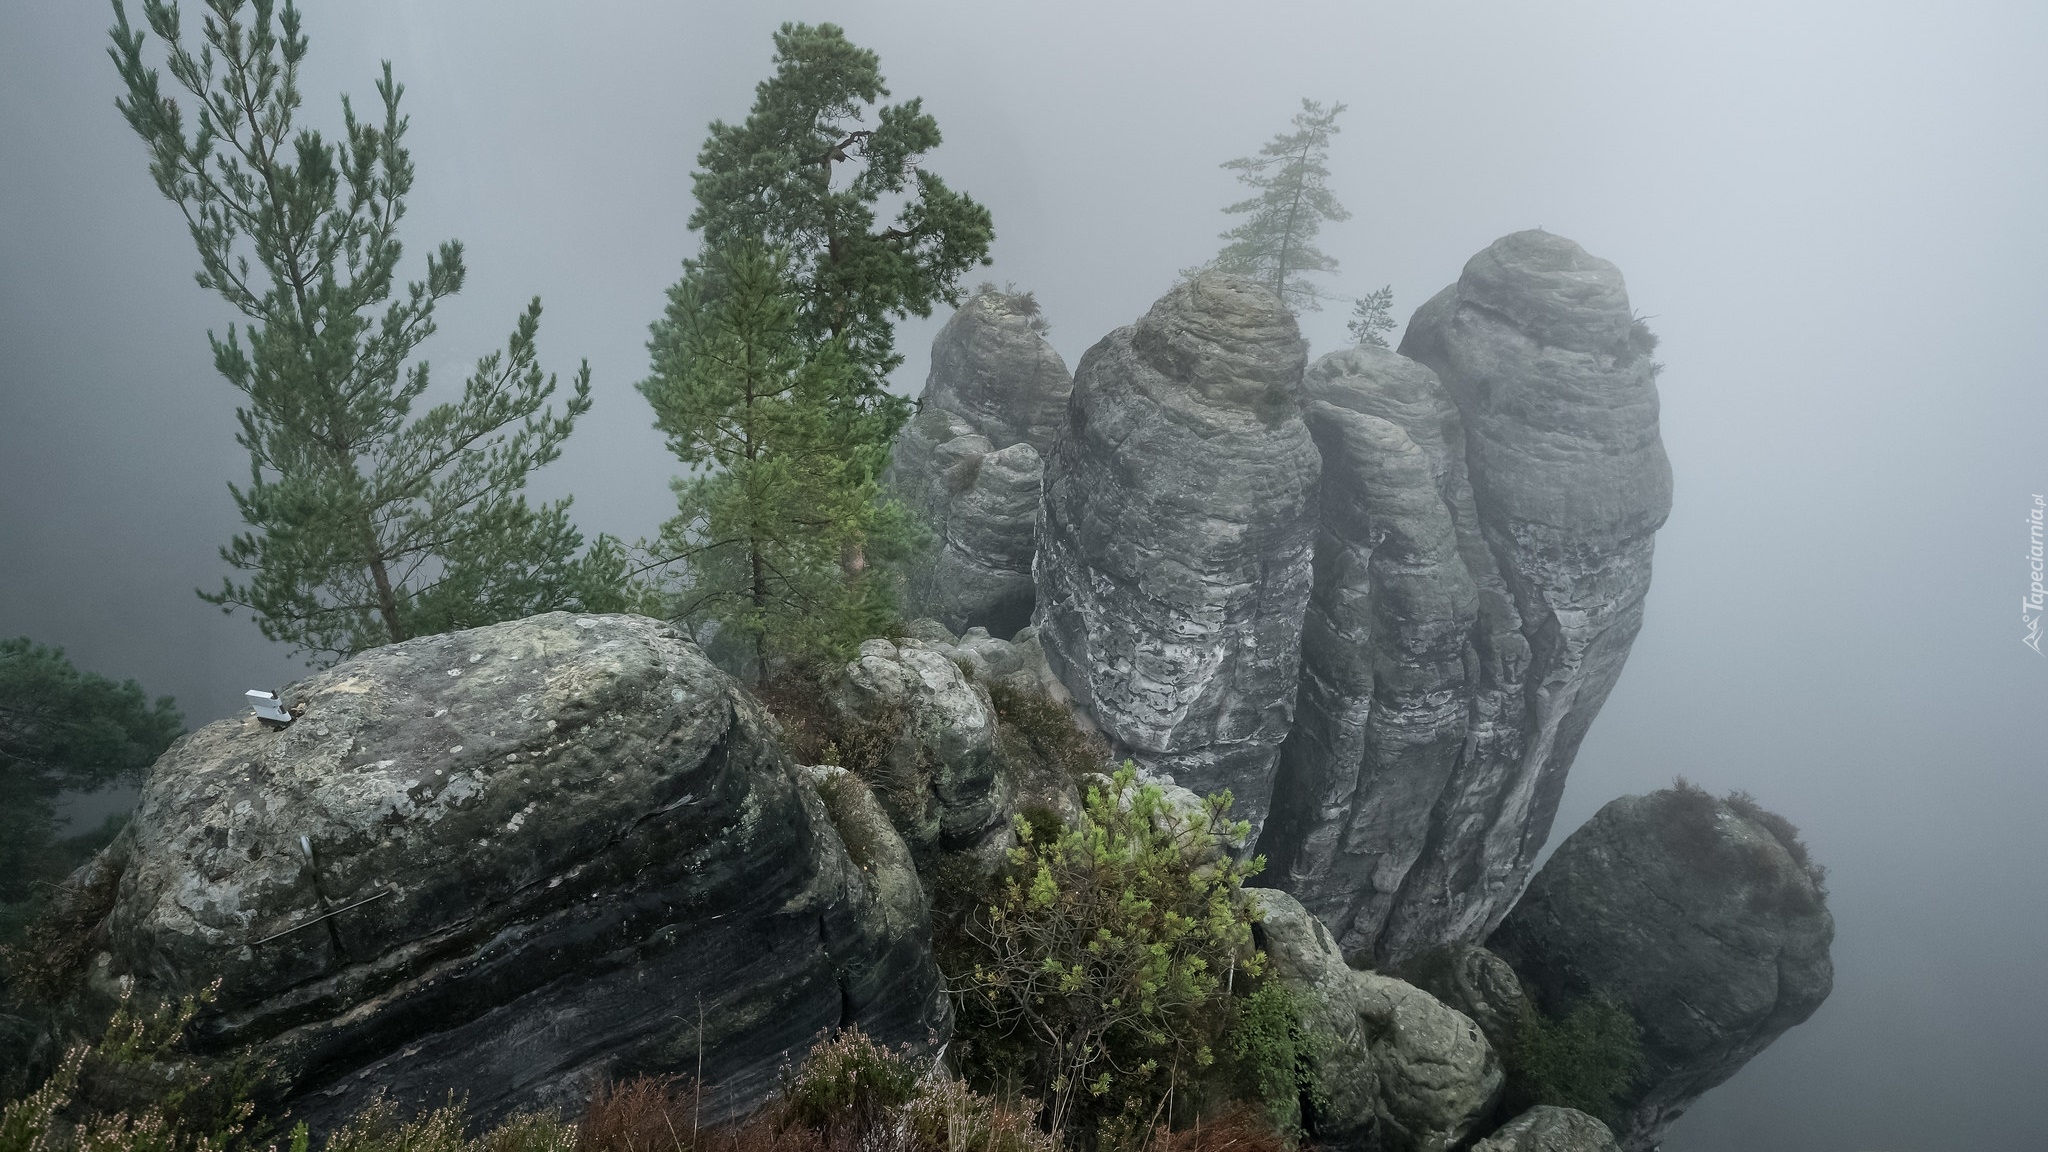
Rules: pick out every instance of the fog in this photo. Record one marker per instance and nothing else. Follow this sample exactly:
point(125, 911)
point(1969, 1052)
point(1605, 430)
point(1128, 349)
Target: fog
point(1833, 214)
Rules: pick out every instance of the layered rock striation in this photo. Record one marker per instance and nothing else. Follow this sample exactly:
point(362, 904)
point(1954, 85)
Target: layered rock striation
point(1174, 538)
point(1700, 916)
point(1483, 552)
point(971, 461)
point(504, 864)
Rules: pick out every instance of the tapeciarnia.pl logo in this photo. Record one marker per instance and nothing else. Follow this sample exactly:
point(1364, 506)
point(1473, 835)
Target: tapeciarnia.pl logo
point(2032, 603)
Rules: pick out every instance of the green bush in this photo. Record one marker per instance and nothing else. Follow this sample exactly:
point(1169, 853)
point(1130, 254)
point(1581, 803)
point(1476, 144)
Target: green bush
point(1585, 1059)
point(1039, 732)
point(1274, 1057)
point(1099, 970)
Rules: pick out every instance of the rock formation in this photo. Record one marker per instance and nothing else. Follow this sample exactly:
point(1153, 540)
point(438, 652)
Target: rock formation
point(982, 505)
point(992, 365)
point(1702, 917)
point(505, 863)
point(1476, 982)
point(1174, 539)
point(1406, 1074)
point(1488, 506)
point(971, 461)
point(1548, 1129)
point(940, 775)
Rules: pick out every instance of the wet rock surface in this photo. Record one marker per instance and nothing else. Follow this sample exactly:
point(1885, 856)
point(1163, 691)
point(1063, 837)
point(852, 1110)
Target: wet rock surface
point(1699, 917)
point(1407, 1073)
point(1173, 561)
point(1548, 1129)
point(505, 863)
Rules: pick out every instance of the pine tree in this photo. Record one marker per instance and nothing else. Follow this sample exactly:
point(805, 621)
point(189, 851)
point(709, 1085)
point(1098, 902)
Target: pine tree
point(1276, 243)
point(368, 523)
point(62, 729)
point(781, 488)
point(772, 179)
point(771, 363)
point(1372, 317)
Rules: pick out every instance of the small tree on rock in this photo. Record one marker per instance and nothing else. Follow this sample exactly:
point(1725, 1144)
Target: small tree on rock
point(1372, 317)
point(1275, 245)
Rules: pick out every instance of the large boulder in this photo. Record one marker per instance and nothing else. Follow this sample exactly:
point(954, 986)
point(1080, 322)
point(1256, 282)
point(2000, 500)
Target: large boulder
point(1443, 708)
point(1174, 539)
point(971, 461)
point(1545, 1128)
point(1700, 916)
point(504, 864)
point(1405, 1073)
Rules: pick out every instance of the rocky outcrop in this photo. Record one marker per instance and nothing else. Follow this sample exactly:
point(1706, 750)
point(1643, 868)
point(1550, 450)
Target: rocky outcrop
point(505, 863)
point(1702, 917)
point(1476, 982)
point(1405, 1073)
point(981, 504)
point(1548, 1129)
point(971, 461)
point(1489, 500)
point(1173, 560)
point(991, 364)
point(938, 770)
point(1412, 657)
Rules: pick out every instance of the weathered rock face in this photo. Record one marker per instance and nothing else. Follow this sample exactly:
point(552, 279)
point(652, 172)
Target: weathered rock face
point(1548, 1129)
point(1488, 505)
point(1174, 540)
point(1412, 657)
point(1699, 918)
point(543, 845)
point(941, 776)
point(992, 365)
point(1408, 1073)
point(982, 504)
point(971, 462)
point(1477, 983)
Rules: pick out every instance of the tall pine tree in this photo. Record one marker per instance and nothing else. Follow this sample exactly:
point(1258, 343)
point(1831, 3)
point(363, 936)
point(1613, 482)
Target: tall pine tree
point(771, 363)
point(368, 522)
point(1275, 244)
point(806, 173)
point(779, 490)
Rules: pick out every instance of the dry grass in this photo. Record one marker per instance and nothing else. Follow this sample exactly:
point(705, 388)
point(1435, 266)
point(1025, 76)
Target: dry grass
point(1240, 1128)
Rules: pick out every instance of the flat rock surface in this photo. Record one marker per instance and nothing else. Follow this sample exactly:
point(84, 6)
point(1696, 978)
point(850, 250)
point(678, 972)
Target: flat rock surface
point(1173, 560)
point(544, 845)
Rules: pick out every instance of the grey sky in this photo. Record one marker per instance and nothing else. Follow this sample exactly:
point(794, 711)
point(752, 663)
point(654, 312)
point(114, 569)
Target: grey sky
point(1833, 212)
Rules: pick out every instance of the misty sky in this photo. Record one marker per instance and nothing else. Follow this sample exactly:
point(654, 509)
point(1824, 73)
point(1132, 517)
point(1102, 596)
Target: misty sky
point(1833, 214)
